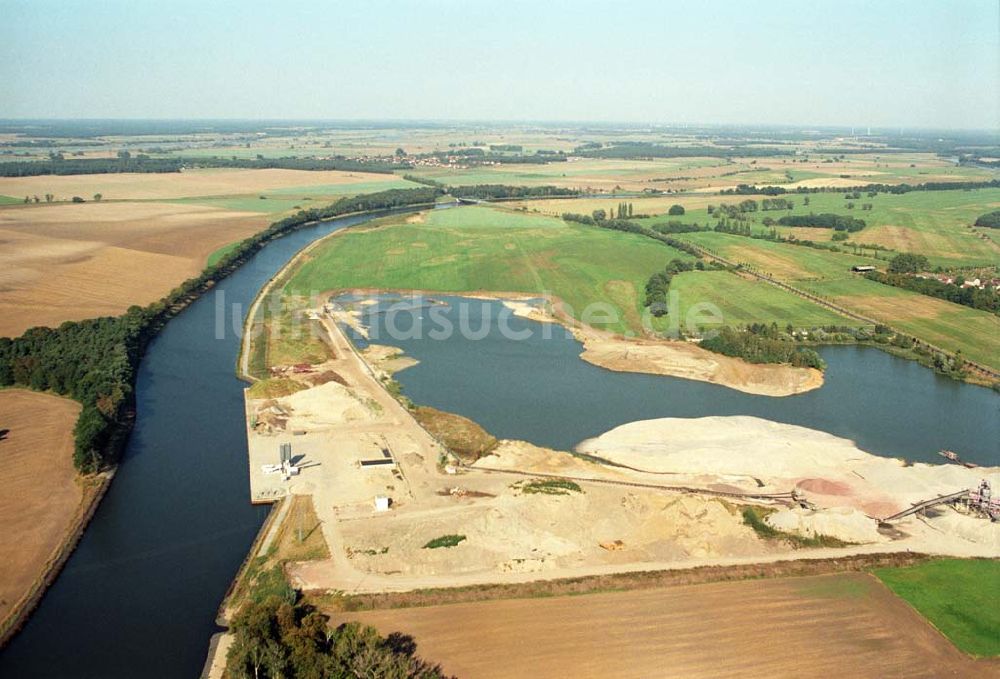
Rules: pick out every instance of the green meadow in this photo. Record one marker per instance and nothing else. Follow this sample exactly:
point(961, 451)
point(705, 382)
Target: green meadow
point(827, 274)
point(937, 224)
point(958, 596)
point(221, 252)
point(742, 301)
point(483, 249)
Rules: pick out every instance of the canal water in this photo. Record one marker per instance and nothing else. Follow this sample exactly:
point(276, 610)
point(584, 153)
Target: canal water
point(139, 595)
point(538, 389)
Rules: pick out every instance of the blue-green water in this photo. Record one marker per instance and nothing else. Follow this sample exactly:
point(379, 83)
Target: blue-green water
point(539, 390)
point(138, 597)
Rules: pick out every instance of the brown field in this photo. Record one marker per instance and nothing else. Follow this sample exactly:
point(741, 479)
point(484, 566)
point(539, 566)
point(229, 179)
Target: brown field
point(214, 182)
point(906, 239)
point(75, 261)
point(778, 264)
point(842, 625)
point(653, 205)
point(41, 494)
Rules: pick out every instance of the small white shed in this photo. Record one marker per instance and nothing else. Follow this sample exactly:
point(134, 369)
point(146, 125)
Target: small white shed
point(382, 503)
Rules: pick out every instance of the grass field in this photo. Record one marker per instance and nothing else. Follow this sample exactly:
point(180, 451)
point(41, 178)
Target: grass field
point(950, 326)
point(221, 252)
point(606, 175)
point(937, 224)
point(743, 301)
point(958, 596)
point(10, 200)
point(827, 274)
point(847, 624)
point(482, 249)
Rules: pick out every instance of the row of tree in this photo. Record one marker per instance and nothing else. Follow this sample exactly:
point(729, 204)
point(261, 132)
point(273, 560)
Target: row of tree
point(986, 299)
point(95, 361)
point(871, 189)
point(497, 191)
point(824, 220)
point(659, 284)
point(641, 149)
point(760, 343)
point(145, 164)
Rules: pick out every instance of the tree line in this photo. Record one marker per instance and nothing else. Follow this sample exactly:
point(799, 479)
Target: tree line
point(985, 300)
point(824, 220)
point(659, 284)
point(990, 220)
point(95, 361)
point(145, 164)
point(497, 191)
point(641, 149)
point(761, 343)
point(278, 639)
point(630, 226)
point(870, 189)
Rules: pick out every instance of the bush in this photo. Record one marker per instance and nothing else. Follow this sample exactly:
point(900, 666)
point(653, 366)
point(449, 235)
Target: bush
point(444, 541)
point(908, 263)
point(676, 210)
point(760, 343)
point(990, 220)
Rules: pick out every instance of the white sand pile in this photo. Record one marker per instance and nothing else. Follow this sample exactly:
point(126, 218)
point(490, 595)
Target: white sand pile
point(844, 523)
point(327, 405)
point(969, 528)
point(830, 471)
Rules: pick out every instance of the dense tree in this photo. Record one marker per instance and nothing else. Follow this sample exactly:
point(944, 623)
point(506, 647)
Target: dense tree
point(825, 220)
point(676, 210)
point(760, 343)
point(277, 639)
point(990, 220)
point(908, 263)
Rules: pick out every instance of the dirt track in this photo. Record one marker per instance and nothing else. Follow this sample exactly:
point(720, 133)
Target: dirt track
point(840, 625)
point(41, 494)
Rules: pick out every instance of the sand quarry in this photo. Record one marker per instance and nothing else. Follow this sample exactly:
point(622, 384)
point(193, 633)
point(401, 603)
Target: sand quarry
point(630, 517)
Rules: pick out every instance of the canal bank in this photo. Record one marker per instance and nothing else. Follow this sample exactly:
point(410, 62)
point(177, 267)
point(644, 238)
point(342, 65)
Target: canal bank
point(163, 545)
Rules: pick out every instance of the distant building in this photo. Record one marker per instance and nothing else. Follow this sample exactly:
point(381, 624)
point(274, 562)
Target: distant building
point(862, 268)
point(382, 503)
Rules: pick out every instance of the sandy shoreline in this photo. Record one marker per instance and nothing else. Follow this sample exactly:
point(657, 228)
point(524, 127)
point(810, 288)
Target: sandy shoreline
point(672, 358)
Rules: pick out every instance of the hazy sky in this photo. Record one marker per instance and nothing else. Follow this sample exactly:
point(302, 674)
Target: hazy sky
point(878, 62)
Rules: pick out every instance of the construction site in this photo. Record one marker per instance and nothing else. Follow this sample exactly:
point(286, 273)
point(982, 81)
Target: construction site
point(400, 511)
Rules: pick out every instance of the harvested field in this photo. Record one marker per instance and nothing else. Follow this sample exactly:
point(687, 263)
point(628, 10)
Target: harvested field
point(214, 182)
point(844, 623)
point(41, 494)
point(70, 262)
